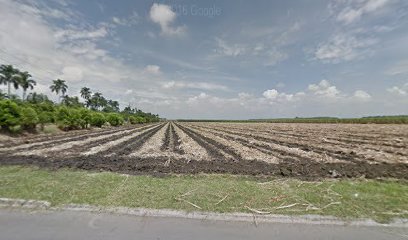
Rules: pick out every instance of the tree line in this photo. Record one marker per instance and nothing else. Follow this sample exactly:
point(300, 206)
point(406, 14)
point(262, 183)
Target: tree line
point(36, 109)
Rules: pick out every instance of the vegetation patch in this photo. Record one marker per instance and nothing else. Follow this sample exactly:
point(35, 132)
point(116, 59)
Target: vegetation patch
point(381, 200)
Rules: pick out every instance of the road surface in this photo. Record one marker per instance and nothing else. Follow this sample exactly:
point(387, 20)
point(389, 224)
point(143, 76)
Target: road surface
point(22, 224)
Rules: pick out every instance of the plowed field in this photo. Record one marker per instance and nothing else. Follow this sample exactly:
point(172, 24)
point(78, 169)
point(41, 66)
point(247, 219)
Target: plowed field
point(295, 150)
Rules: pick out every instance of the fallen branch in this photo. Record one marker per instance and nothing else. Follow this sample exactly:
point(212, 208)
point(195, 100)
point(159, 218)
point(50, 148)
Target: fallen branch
point(287, 206)
point(192, 204)
point(222, 199)
point(188, 193)
point(256, 211)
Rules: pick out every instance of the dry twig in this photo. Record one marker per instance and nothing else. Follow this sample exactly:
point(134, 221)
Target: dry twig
point(222, 199)
point(192, 204)
point(257, 211)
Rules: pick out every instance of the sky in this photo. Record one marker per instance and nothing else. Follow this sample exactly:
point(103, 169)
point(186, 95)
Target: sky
point(218, 59)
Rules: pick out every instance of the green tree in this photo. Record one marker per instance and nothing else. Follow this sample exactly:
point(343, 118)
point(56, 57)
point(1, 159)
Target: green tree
point(111, 106)
point(86, 94)
point(97, 101)
point(71, 101)
point(36, 98)
point(9, 76)
point(26, 82)
point(59, 86)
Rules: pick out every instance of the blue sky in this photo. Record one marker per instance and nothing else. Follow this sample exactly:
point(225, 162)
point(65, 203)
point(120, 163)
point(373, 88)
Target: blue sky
point(218, 59)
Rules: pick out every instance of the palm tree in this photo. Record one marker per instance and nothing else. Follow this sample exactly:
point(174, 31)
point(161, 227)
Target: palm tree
point(86, 94)
point(9, 75)
point(59, 86)
point(26, 82)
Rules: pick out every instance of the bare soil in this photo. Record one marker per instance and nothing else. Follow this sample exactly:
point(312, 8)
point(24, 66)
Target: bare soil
point(307, 151)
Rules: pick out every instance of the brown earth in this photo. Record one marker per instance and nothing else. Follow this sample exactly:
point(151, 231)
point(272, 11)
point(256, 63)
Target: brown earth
point(307, 151)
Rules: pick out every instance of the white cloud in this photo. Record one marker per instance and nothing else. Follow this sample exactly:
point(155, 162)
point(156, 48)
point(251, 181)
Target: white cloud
point(194, 85)
point(362, 95)
point(152, 69)
point(127, 21)
point(271, 94)
point(230, 50)
point(401, 91)
point(80, 33)
point(324, 89)
point(343, 47)
point(274, 95)
point(72, 74)
point(269, 56)
point(47, 51)
point(352, 14)
point(163, 15)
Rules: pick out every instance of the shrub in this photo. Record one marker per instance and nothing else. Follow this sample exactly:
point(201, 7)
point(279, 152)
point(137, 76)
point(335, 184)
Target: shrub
point(137, 119)
point(45, 117)
point(29, 119)
point(86, 116)
point(97, 119)
point(10, 114)
point(69, 118)
point(114, 119)
point(132, 120)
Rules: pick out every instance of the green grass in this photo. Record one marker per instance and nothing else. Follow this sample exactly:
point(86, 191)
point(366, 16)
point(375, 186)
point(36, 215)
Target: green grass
point(348, 199)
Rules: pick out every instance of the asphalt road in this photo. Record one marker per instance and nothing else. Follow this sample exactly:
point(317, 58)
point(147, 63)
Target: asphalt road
point(22, 224)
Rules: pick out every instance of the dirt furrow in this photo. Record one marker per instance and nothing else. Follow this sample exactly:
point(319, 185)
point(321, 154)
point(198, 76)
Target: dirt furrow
point(187, 145)
point(95, 144)
point(51, 143)
point(47, 138)
point(387, 143)
point(336, 154)
point(57, 149)
point(278, 151)
point(154, 145)
point(132, 144)
point(246, 150)
point(110, 146)
point(214, 150)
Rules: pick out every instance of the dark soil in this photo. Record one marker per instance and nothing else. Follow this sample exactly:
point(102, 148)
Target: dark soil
point(157, 166)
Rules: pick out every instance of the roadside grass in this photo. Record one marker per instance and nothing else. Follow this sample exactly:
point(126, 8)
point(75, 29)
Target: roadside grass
point(381, 200)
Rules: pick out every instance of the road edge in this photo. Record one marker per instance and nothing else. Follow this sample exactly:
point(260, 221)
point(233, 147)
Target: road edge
point(212, 216)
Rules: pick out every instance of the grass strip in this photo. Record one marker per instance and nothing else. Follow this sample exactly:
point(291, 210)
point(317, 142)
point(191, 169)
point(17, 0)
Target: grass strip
point(380, 200)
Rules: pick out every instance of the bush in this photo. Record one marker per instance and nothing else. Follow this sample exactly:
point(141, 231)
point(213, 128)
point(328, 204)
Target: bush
point(114, 119)
point(69, 118)
point(97, 119)
point(45, 117)
point(136, 120)
point(10, 114)
point(86, 116)
point(29, 119)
